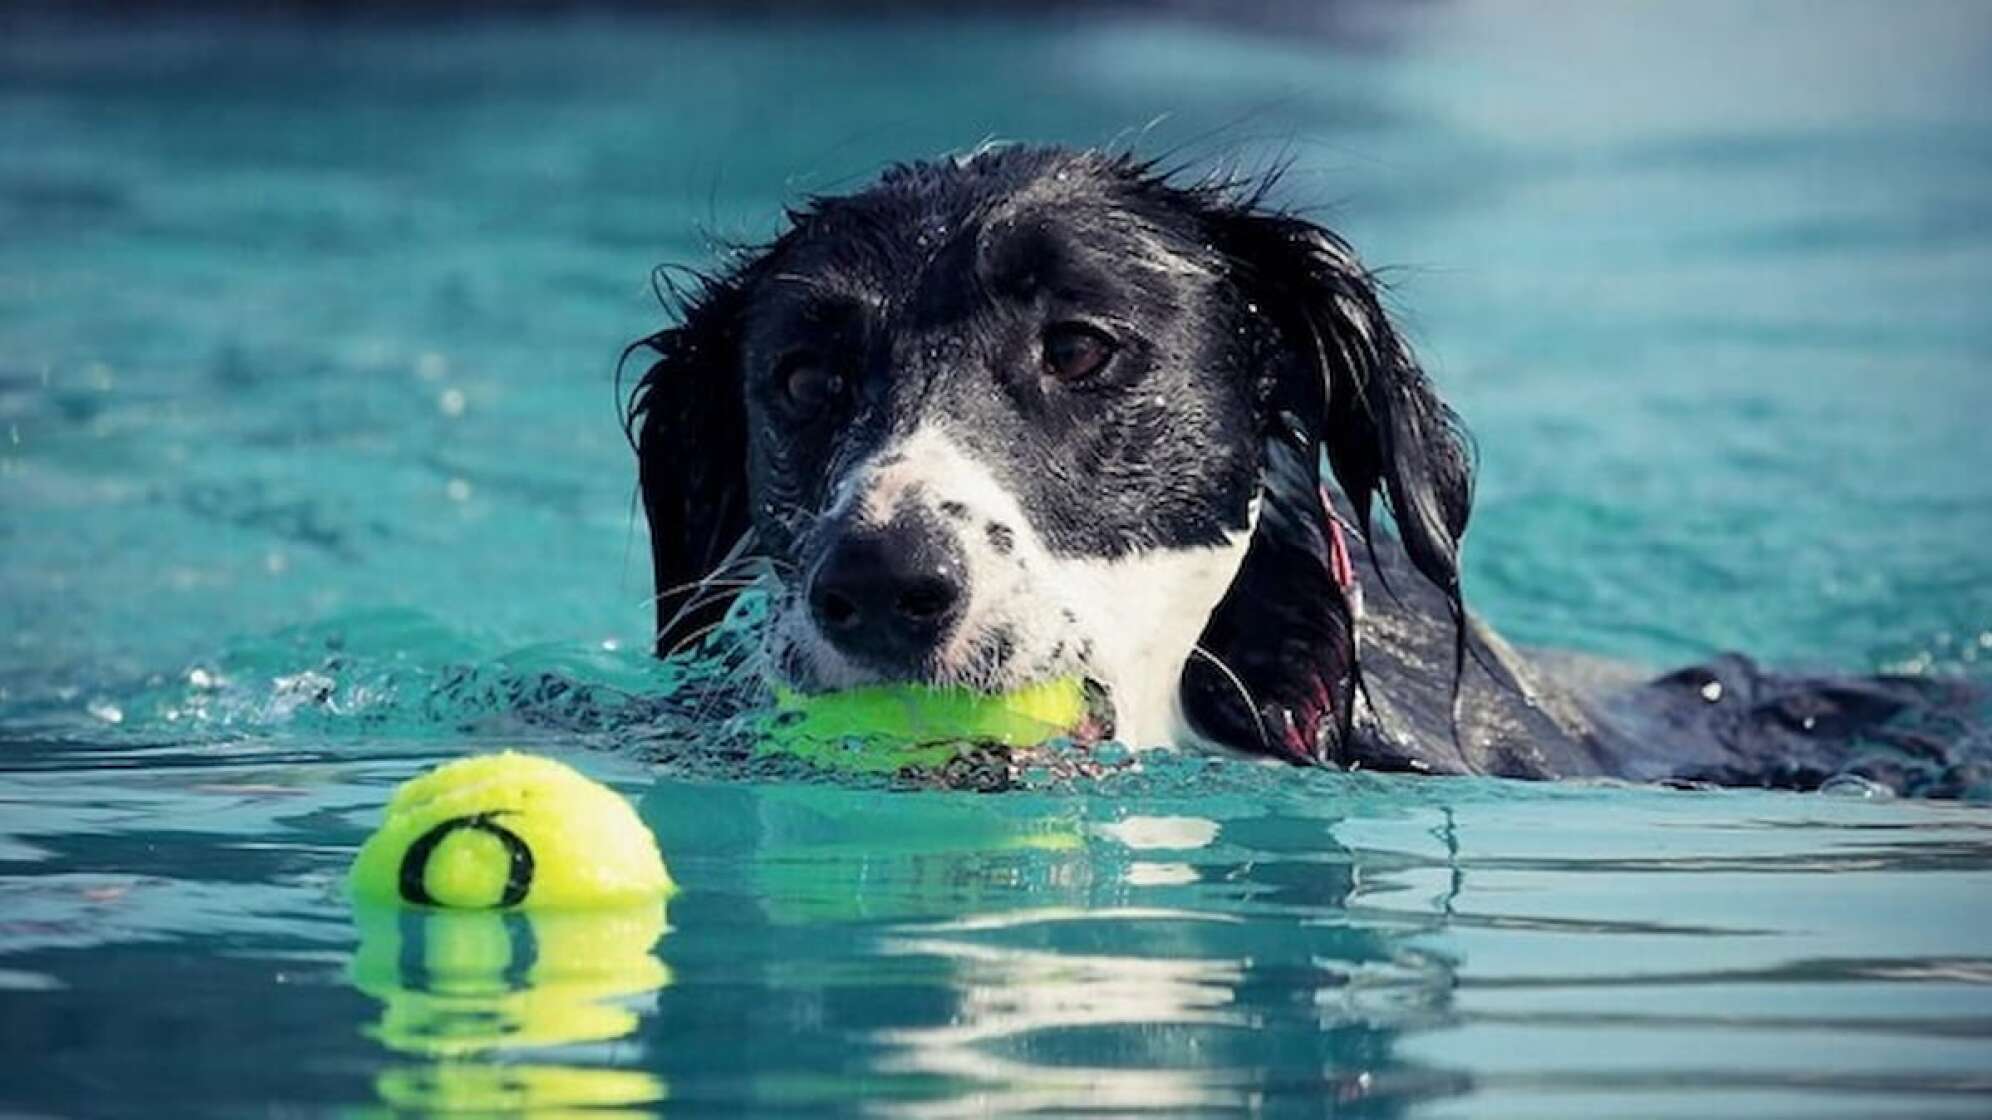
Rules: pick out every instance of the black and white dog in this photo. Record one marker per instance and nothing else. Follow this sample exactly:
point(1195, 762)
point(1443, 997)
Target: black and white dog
point(1036, 413)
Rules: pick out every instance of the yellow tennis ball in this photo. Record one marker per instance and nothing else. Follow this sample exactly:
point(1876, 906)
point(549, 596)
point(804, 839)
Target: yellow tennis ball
point(889, 727)
point(509, 830)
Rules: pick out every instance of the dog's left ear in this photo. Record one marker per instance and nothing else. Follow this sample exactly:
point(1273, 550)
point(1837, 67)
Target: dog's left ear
point(688, 423)
point(1348, 381)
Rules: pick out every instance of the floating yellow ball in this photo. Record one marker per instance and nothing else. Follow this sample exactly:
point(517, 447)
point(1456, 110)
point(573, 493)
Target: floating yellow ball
point(884, 728)
point(509, 830)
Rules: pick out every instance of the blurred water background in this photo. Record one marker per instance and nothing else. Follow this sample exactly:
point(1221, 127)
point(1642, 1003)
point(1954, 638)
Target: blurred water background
point(311, 475)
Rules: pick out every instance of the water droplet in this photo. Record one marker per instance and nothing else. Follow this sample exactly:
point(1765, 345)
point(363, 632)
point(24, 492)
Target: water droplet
point(458, 490)
point(451, 402)
point(106, 711)
point(1712, 691)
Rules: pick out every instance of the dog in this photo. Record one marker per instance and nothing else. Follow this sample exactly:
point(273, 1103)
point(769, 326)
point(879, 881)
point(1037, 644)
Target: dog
point(1036, 412)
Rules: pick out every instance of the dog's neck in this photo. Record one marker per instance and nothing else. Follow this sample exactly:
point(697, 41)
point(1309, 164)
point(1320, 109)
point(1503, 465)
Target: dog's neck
point(1147, 611)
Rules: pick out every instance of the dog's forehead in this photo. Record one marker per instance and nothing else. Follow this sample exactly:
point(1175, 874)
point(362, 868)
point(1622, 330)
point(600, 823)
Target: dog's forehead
point(938, 223)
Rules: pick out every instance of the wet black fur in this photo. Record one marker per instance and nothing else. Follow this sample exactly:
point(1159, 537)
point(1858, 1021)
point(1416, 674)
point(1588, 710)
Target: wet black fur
point(1279, 358)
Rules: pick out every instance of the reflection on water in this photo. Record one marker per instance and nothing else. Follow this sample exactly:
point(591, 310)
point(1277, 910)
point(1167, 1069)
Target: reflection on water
point(1024, 949)
point(508, 1089)
point(474, 990)
point(1315, 945)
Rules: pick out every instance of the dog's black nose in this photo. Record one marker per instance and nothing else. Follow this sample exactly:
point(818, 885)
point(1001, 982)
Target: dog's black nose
point(889, 595)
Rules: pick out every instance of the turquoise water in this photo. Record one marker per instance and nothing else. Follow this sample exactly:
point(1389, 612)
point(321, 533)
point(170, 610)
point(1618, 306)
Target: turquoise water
point(310, 477)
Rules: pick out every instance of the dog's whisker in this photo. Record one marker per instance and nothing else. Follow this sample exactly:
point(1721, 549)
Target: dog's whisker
point(714, 592)
point(702, 602)
point(728, 686)
point(694, 638)
point(735, 555)
point(717, 579)
point(797, 519)
point(697, 602)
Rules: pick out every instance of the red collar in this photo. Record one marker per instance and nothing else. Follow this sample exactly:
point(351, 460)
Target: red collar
point(1340, 565)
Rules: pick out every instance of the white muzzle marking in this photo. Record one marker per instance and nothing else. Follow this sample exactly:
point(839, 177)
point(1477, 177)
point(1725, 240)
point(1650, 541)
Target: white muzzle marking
point(1129, 623)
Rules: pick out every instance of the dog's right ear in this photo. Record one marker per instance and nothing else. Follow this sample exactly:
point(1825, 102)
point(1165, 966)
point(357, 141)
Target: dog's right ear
point(687, 421)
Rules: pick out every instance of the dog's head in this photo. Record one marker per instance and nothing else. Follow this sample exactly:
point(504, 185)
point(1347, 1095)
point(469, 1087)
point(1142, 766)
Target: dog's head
point(1035, 413)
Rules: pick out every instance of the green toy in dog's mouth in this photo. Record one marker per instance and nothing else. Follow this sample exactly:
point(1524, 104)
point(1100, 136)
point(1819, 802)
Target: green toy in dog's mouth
point(890, 728)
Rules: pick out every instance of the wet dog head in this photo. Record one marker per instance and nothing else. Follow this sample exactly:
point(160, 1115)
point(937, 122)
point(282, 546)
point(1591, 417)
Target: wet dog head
point(1009, 417)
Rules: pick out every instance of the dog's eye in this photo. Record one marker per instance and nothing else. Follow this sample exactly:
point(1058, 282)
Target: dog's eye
point(1075, 351)
point(810, 384)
